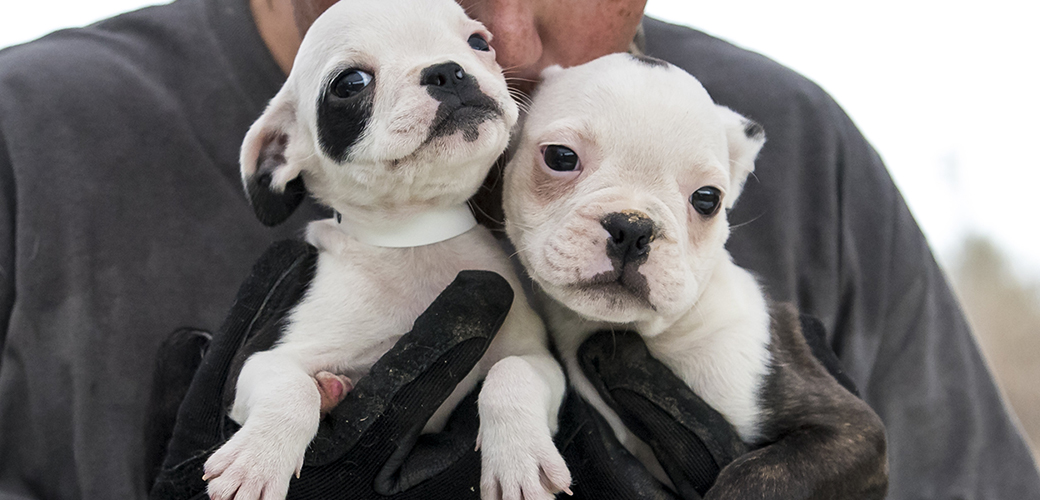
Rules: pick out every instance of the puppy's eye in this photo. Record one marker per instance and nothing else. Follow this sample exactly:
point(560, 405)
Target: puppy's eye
point(706, 200)
point(477, 42)
point(349, 83)
point(561, 158)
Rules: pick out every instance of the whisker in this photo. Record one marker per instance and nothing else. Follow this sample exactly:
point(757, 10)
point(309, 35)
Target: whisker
point(518, 79)
point(753, 219)
point(476, 208)
point(520, 96)
point(523, 101)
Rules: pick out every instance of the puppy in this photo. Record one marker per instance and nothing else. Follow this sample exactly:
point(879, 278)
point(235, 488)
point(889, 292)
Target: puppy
point(392, 116)
point(616, 201)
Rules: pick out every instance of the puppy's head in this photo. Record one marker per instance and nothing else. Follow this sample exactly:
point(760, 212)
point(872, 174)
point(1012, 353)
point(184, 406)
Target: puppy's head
point(616, 197)
point(389, 106)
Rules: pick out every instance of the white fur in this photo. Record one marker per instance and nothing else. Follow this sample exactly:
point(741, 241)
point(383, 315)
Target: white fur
point(364, 298)
point(647, 137)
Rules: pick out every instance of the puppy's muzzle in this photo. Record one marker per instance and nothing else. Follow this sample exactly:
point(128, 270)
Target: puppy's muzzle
point(462, 105)
point(630, 235)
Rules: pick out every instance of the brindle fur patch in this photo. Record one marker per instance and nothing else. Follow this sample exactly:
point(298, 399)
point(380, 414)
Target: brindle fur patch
point(820, 441)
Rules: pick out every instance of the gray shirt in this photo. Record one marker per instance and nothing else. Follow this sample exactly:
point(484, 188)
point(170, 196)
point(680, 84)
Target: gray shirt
point(122, 218)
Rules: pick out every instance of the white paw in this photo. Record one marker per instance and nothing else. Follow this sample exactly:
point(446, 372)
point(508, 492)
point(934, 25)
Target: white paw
point(520, 465)
point(253, 465)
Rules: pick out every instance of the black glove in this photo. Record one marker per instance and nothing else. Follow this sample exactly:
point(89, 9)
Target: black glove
point(691, 440)
point(369, 446)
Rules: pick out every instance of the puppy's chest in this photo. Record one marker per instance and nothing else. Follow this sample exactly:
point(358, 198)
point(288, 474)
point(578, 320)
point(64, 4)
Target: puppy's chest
point(362, 300)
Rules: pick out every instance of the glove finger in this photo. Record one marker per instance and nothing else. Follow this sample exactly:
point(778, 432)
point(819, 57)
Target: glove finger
point(408, 383)
point(178, 358)
point(601, 468)
point(434, 454)
point(276, 282)
point(691, 440)
point(440, 466)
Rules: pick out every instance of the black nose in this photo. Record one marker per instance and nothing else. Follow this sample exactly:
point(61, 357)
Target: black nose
point(445, 75)
point(630, 236)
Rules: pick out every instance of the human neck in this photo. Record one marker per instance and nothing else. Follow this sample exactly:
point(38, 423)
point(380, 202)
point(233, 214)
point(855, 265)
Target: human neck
point(274, 21)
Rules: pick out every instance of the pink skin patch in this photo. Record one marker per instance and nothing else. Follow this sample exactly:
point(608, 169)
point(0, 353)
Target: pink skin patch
point(596, 265)
point(333, 388)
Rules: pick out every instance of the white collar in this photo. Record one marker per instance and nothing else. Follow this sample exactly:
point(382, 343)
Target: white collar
point(424, 228)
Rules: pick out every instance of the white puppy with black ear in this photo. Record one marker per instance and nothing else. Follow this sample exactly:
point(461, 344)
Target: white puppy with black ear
point(616, 201)
point(392, 116)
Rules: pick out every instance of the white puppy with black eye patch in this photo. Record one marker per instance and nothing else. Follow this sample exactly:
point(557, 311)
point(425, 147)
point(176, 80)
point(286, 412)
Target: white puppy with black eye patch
point(392, 116)
point(616, 201)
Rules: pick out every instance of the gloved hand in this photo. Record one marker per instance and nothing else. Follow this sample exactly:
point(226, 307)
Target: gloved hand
point(369, 446)
point(691, 440)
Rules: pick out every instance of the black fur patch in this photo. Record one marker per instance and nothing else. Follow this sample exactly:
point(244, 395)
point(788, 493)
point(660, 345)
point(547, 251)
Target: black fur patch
point(653, 62)
point(270, 206)
point(752, 129)
point(462, 105)
point(819, 440)
point(342, 121)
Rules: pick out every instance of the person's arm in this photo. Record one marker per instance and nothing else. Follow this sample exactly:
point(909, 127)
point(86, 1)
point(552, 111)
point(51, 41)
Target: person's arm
point(950, 433)
point(7, 271)
point(7, 243)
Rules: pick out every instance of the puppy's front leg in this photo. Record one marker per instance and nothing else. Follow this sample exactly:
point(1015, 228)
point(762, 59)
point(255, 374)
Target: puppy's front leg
point(518, 408)
point(815, 463)
point(277, 403)
point(825, 443)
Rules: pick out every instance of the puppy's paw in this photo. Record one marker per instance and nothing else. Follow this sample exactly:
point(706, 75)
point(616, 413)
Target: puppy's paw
point(332, 388)
point(520, 464)
point(253, 465)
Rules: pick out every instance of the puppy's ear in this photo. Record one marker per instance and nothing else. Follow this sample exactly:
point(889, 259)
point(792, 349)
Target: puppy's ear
point(272, 182)
point(745, 138)
point(551, 71)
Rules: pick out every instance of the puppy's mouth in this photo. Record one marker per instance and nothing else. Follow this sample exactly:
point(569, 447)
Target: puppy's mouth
point(465, 116)
point(617, 285)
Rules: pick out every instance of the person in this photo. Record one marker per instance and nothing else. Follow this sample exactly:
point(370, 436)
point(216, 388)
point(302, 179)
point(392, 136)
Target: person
point(122, 218)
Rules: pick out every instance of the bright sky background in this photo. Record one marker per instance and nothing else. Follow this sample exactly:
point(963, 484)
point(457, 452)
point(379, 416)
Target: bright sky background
point(947, 91)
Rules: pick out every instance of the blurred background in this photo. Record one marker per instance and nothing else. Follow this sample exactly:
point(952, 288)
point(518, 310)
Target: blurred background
point(946, 91)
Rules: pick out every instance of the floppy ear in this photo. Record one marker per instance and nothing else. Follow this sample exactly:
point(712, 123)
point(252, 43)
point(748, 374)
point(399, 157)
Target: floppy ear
point(745, 138)
point(272, 182)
